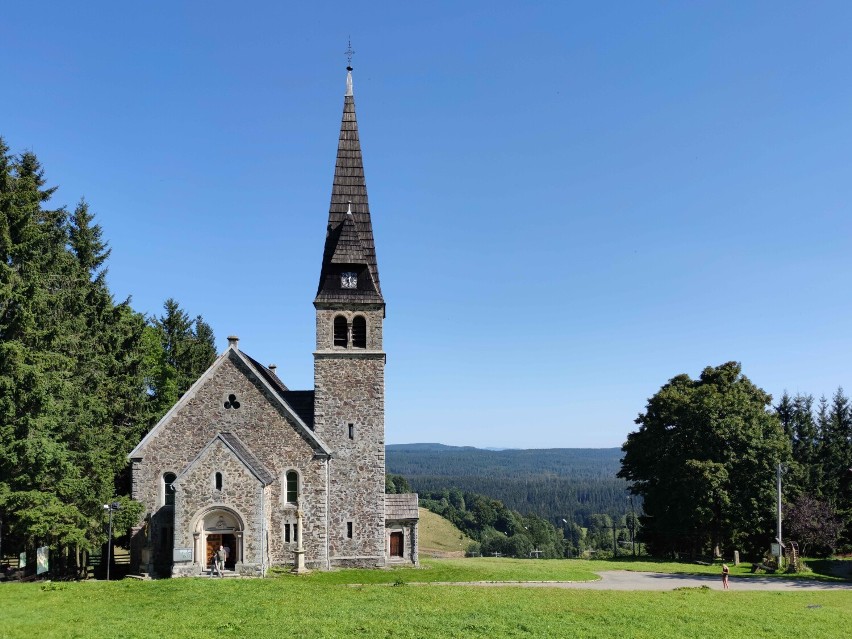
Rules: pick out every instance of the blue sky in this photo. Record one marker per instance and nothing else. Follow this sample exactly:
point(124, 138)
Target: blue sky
point(572, 202)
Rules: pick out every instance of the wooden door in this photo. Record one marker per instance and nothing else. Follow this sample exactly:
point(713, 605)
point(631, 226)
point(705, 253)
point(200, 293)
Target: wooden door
point(213, 543)
point(396, 544)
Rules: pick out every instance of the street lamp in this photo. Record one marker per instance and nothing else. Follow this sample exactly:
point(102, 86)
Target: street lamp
point(110, 508)
point(632, 525)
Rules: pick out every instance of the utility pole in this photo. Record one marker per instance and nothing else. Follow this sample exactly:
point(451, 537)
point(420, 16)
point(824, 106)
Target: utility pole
point(632, 525)
point(780, 543)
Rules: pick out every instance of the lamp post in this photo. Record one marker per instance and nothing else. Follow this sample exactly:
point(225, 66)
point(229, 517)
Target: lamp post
point(632, 525)
point(110, 508)
point(564, 529)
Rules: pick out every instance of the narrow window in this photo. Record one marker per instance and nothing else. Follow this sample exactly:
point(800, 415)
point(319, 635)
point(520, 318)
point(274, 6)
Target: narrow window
point(349, 529)
point(169, 489)
point(292, 487)
point(359, 332)
point(341, 330)
point(351, 431)
point(218, 481)
point(296, 533)
point(286, 533)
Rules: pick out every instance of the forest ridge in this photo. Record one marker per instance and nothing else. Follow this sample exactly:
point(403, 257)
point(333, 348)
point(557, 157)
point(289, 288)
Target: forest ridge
point(554, 483)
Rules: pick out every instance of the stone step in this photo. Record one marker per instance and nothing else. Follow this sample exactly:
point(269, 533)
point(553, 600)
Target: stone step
point(207, 574)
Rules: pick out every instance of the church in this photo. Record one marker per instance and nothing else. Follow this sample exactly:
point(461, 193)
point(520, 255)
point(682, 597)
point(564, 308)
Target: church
point(281, 477)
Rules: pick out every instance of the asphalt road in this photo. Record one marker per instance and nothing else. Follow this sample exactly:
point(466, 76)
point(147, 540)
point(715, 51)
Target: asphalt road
point(628, 580)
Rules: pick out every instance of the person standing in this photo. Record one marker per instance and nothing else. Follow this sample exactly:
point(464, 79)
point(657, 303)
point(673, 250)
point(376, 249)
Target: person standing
point(220, 560)
point(214, 564)
point(725, 572)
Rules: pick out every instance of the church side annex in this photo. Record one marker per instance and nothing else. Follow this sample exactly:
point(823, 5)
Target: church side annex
point(289, 478)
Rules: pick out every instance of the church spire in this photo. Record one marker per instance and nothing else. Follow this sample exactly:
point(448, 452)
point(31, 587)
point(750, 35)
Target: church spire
point(355, 238)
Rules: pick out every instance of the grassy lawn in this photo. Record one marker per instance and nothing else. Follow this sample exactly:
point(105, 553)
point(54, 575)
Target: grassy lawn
point(472, 569)
point(280, 607)
point(439, 534)
point(321, 605)
point(491, 569)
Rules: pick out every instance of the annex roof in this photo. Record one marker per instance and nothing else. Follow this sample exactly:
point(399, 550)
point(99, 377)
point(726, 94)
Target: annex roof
point(402, 506)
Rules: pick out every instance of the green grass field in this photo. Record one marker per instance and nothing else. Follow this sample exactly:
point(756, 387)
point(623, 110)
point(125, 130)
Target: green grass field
point(327, 605)
point(439, 534)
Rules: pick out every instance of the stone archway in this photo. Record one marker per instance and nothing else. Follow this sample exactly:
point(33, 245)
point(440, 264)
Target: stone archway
point(218, 525)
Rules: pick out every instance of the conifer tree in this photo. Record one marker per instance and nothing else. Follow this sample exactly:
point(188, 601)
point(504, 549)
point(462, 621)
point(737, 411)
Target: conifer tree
point(179, 350)
point(71, 391)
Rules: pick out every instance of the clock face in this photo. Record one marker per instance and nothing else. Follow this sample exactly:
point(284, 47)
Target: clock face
point(348, 280)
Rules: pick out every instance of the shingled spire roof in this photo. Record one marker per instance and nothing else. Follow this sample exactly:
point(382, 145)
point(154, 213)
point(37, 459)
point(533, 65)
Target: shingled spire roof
point(349, 245)
point(348, 248)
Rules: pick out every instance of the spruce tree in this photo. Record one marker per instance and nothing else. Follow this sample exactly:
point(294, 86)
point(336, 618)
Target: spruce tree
point(71, 391)
point(178, 351)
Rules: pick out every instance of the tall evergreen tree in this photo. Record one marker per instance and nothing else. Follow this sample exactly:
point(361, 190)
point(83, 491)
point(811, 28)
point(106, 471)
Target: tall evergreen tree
point(71, 392)
point(796, 417)
point(86, 240)
point(179, 350)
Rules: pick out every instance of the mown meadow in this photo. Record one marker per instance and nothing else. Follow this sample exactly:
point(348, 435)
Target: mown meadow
point(361, 603)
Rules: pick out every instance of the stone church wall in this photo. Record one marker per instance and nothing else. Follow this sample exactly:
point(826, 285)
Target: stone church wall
point(197, 495)
point(373, 313)
point(262, 427)
point(351, 391)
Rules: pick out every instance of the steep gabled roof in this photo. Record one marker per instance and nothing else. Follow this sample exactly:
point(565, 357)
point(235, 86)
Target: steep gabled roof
point(267, 374)
point(303, 403)
point(247, 457)
point(267, 379)
point(241, 451)
point(349, 241)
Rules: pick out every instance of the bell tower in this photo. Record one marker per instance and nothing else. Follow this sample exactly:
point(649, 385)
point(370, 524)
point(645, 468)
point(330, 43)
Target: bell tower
point(349, 362)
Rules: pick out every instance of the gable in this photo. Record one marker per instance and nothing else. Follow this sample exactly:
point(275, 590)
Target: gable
point(234, 448)
point(202, 404)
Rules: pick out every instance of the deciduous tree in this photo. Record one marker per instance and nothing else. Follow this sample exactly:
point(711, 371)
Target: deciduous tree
point(703, 460)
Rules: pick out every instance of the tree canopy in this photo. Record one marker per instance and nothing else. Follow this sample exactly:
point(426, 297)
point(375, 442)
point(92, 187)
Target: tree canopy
point(75, 368)
point(704, 460)
point(819, 477)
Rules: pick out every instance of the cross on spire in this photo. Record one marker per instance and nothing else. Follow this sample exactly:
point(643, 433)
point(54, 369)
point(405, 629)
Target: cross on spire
point(349, 53)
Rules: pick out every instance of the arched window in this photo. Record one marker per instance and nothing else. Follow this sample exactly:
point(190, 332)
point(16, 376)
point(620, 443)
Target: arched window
point(218, 481)
point(341, 332)
point(292, 487)
point(359, 332)
point(169, 489)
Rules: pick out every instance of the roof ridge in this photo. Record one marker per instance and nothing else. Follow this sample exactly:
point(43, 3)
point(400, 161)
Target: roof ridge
point(247, 456)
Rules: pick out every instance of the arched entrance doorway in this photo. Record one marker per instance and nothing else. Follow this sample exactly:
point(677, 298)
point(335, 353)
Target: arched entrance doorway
point(218, 526)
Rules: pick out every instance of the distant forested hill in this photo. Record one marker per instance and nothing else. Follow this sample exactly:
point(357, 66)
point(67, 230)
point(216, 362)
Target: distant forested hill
point(554, 483)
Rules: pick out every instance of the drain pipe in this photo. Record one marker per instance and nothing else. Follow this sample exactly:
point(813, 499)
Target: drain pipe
point(262, 534)
point(327, 513)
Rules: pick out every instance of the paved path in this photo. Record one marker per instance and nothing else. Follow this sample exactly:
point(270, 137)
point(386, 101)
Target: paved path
point(628, 580)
